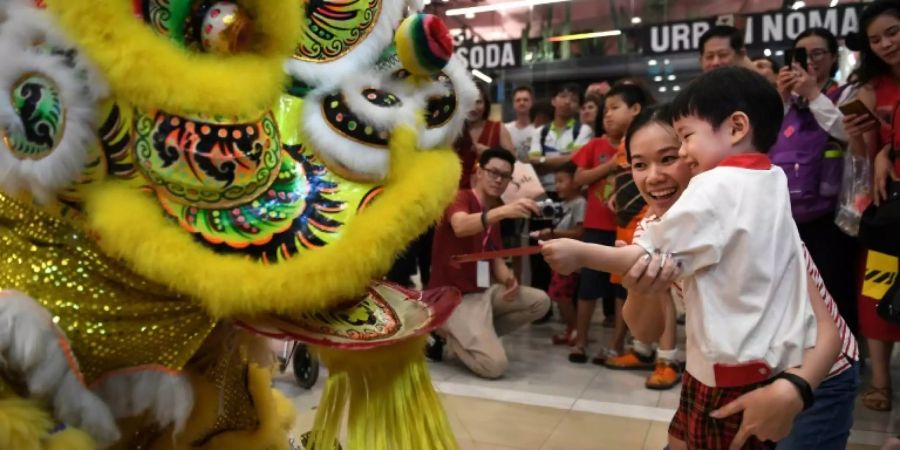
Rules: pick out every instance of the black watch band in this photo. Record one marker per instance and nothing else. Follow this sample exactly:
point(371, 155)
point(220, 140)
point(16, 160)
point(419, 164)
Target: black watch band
point(806, 392)
point(484, 219)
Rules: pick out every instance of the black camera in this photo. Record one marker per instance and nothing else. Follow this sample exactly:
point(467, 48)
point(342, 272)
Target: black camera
point(550, 209)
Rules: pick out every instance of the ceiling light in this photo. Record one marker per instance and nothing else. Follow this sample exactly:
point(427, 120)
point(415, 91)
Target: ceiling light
point(798, 5)
point(671, 77)
point(652, 62)
point(767, 52)
point(500, 7)
point(575, 37)
point(779, 53)
point(676, 88)
point(666, 62)
point(657, 78)
point(833, 3)
point(662, 89)
point(635, 20)
point(481, 76)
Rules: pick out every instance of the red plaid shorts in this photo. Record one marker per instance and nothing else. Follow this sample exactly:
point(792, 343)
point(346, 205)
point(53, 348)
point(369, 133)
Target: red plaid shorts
point(693, 425)
point(562, 287)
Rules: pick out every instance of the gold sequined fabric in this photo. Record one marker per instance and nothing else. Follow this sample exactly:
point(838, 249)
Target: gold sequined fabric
point(113, 318)
point(230, 376)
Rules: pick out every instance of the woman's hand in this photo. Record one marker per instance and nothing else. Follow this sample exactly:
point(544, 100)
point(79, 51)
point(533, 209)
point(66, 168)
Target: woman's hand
point(651, 276)
point(805, 84)
point(769, 412)
point(785, 83)
point(856, 125)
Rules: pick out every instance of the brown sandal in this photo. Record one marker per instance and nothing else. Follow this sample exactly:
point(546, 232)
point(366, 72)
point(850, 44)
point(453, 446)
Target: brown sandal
point(877, 399)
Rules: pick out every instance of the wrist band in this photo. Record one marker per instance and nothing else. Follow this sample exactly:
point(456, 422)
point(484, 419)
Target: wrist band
point(802, 386)
point(484, 222)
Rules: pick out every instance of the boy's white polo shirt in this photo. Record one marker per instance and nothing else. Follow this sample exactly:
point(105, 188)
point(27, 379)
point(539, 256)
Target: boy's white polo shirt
point(744, 274)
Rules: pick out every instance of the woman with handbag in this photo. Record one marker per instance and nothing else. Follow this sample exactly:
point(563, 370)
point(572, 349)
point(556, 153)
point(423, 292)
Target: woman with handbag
point(878, 79)
point(810, 150)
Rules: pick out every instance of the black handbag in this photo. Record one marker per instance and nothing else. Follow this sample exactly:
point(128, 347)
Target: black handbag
point(879, 226)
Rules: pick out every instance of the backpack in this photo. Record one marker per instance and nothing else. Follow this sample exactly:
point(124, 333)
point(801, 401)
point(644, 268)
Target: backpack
point(545, 130)
point(812, 161)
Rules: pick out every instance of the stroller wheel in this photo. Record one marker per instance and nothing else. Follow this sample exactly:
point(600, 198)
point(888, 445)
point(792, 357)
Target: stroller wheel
point(306, 367)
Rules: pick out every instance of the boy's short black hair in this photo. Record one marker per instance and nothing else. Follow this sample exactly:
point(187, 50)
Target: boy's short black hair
point(571, 88)
point(498, 153)
point(734, 35)
point(630, 94)
point(716, 95)
point(569, 168)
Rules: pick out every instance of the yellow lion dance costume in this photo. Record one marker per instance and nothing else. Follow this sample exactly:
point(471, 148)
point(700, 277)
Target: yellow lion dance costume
point(181, 177)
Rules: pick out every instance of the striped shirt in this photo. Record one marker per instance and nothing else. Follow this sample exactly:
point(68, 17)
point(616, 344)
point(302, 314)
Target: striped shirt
point(849, 348)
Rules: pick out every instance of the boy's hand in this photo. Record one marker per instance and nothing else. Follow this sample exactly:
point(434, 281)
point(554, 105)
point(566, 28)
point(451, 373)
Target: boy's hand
point(563, 255)
point(769, 412)
point(651, 276)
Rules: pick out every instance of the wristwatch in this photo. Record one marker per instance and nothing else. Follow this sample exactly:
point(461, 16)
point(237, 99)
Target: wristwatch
point(802, 386)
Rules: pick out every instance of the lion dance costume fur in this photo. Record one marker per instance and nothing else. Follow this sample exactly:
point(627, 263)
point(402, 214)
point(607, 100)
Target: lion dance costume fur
point(180, 179)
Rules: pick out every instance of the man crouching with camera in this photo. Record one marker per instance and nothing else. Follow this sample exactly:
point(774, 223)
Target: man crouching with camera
point(494, 304)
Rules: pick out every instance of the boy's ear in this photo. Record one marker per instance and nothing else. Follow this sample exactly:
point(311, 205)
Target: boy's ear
point(740, 127)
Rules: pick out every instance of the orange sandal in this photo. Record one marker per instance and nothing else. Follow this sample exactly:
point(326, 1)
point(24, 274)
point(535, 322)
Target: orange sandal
point(877, 399)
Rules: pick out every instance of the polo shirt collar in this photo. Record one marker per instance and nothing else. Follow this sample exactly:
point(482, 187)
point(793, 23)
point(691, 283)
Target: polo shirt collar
point(755, 161)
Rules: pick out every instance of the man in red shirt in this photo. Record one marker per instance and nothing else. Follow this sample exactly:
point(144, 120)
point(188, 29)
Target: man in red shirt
point(494, 304)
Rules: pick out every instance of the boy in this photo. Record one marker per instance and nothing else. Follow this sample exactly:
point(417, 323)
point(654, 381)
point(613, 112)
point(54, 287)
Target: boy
point(569, 225)
point(750, 318)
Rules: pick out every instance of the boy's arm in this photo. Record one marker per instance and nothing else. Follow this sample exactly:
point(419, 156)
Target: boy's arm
point(567, 255)
point(769, 411)
point(585, 177)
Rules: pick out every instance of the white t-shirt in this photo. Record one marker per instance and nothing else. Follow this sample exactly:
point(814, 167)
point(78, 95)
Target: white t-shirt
point(558, 142)
point(744, 272)
point(573, 213)
point(521, 139)
point(849, 348)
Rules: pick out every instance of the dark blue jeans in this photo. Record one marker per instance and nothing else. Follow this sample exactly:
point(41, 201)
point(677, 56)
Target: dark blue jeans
point(826, 426)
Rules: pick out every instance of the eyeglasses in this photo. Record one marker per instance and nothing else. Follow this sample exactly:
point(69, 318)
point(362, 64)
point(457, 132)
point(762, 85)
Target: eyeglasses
point(817, 54)
point(501, 176)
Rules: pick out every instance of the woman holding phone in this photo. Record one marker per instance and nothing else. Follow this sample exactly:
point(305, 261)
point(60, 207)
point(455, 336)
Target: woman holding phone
point(878, 80)
point(810, 150)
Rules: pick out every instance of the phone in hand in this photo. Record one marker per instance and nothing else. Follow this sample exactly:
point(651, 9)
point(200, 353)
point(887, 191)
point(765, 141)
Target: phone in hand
point(797, 55)
point(857, 107)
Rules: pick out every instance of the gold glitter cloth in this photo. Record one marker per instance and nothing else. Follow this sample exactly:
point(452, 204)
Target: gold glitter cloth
point(113, 318)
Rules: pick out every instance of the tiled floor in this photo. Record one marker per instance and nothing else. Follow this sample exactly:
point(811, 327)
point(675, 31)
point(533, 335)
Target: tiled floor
point(546, 403)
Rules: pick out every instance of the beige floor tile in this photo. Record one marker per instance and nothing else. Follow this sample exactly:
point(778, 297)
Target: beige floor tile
point(584, 431)
point(459, 430)
point(657, 437)
point(504, 424)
